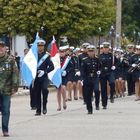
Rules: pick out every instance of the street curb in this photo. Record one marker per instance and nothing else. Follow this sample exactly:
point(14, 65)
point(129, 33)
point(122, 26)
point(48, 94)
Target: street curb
point(22, 91)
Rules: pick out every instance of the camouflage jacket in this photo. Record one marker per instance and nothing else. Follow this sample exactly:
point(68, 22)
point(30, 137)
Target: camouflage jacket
point(9, 77)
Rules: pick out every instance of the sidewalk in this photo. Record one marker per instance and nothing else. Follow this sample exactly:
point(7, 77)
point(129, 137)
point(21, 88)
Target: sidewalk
point(22, 91)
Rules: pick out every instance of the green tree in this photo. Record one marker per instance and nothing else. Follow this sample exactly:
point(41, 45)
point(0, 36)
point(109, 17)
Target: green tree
point(131, 18)
point(76, 19)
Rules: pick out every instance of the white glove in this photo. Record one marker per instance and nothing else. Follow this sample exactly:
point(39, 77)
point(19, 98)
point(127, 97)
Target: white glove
point(134, 65)
point(113, 67)
point(77, 73)
point(98, 72)
point(64, 73)
point(121, 59)
point(40, 73)
point(82, 82)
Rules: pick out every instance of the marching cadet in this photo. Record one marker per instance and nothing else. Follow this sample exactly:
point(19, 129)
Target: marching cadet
point(130, 83)
point(45, 65)
point(90, 71)
point(77, 87)
point(61, 91)
point(120, 73)
point(70, 72)
point(135, 70)
point(9, 80)
point(82, 57)
point(107, 61)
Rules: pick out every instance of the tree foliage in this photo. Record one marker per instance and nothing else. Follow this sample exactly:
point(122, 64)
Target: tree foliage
point(131, 17)
point(76, 19)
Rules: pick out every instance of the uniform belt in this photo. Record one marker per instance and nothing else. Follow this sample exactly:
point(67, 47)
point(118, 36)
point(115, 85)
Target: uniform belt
point(92, 74)
point(105, 68)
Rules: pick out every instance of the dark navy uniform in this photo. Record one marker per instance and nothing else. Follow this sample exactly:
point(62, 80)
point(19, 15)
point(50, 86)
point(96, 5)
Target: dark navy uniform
point(91, 81)
point(64, 79)
point(70, 70)
point(121, 67)
point(76, 68)
point(107, 74)
point(130, 83)
point(41, 83)
point(136, 72)
point(82, 58)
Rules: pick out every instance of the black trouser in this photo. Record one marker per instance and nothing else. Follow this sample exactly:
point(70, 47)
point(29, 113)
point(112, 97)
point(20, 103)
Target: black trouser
point(33, 103)
point(130, 84)
point(84, 92)
point(103, 80)
point(90, 86)
point(41, 87)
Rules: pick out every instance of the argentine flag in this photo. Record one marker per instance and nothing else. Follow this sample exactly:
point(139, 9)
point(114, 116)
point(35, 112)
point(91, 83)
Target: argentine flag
point(29, 63)
point(55, 75)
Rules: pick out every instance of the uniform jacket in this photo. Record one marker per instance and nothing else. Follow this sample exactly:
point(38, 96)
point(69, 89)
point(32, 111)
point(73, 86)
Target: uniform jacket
point(47, 66)
point(90, 66)
point(9, 76)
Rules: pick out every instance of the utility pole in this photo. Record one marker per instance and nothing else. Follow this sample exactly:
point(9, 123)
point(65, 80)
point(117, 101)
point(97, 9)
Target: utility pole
point(118, 23)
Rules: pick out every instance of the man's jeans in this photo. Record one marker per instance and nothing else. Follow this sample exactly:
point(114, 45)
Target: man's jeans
point(5, 104)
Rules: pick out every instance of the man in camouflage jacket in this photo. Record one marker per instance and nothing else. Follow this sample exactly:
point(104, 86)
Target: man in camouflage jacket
point(8, 85)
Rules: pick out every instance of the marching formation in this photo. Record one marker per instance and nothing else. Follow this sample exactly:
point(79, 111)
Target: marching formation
point(102, 72)
point(88, 72)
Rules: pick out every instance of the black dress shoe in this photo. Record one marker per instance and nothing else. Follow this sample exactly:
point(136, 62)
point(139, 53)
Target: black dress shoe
point(65, 107)
point(104, 107)
point(69, 99)
point(58, 109)
point(44, 111)
point(37, 114)
point(5, 134)
point(75, 98)
point(33, 108)
point(112, 100)
point(97, 108)
point(89, 112)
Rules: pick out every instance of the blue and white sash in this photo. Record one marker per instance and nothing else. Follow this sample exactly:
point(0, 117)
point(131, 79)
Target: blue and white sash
point(66, 63)
point(44, 57)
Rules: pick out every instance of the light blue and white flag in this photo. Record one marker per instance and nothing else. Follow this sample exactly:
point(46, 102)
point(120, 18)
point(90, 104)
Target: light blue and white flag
point(29, 64)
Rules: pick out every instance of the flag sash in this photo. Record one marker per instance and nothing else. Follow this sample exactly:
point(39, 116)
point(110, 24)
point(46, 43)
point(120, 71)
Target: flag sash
point(44, 57)
point(66, 62)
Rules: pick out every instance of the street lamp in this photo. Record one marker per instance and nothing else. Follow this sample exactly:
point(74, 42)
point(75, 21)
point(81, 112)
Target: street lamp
point(138, 42)
point(112, 35)
point(42, 31)
point(100, 30)
point(134, 38)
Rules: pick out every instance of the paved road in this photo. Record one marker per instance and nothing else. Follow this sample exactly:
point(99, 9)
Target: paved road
point(119, 122)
